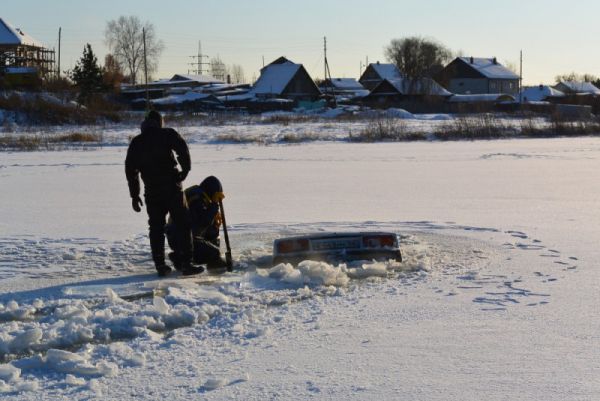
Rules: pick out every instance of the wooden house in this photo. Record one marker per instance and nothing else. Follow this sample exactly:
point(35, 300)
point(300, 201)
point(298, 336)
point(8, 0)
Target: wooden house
point(375, 73)
point(472, 75)
point(577, 88)
point(285, 79)
point(394, 91)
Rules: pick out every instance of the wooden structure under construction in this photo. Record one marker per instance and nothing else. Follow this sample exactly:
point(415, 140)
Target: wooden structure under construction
point(22, 58)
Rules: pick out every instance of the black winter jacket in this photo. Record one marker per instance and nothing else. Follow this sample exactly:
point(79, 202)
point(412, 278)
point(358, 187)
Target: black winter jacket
point(151, 155)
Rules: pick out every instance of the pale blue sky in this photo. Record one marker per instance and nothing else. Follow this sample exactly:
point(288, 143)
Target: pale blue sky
point(556, 36)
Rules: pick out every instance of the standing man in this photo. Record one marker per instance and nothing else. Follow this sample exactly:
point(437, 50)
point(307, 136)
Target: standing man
point(151, 155)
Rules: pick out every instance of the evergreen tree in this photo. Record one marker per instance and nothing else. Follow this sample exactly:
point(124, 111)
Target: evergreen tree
point(87, 75)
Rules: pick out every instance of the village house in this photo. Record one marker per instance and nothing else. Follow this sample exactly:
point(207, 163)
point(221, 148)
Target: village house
point(540, 93)
point(473, 75)
point(577, 88)
point(407, 93)
point(177, 84)
point(376, 72)
point(579, 93)
point(284, 79)
point(343, 88)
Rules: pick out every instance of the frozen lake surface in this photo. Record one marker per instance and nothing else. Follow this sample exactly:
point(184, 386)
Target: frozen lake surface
point(496, 298)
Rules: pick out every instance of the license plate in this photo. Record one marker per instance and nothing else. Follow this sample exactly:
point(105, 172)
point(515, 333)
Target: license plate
point(333, 244)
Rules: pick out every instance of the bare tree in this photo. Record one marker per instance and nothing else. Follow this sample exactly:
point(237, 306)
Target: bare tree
point(218, 69)
point(511, 66)
point(573, 76)
point(417, 57)
point(237, 74)
point(113, 73)
point(124, 37)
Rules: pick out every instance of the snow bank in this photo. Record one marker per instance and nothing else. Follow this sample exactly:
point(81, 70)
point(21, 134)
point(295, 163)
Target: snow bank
point(314, 273)
point(72, 363)
point(9, 373)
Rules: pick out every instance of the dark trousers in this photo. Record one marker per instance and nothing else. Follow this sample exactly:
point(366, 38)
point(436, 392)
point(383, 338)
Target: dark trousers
point(174, 204)
point(205, 251)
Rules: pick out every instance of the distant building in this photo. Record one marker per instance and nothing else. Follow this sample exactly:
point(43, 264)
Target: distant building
point(178, 84)
point(404, 89)
point(577, 88)
point(343, 88)
point(540, 93)
point(23, 60)
point(376, 72)
point(472, 75)
point(285, 79)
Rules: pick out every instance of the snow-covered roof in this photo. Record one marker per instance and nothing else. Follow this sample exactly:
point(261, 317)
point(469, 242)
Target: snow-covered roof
point(387, 71)
point(490, 67)
point(21, 70)
point(186, 97)
point(275, 77)
point(15, 36)
point(238, 97)
point(482, 97)
point(347, 84)
point(580, 87)
point(424, 86)
point(539, 93)
point(204, 79)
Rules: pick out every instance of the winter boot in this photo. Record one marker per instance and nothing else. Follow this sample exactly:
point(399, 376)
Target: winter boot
point(163, 270)
point(173, 257)
point(216, 264)
point(187, 269)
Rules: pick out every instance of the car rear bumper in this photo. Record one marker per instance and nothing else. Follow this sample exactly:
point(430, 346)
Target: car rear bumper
point(340, 256)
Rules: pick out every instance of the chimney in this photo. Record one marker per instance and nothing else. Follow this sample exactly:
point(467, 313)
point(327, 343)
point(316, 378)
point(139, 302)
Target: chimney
point(494, 60)
point(541, 87)
point(472, 60)
point(228, 79)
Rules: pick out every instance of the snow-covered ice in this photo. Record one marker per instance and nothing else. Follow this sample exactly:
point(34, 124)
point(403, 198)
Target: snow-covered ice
point(496, 297)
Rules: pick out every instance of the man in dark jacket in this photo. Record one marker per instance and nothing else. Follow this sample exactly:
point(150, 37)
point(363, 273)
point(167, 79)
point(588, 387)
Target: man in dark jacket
point(205, 220)
point(150, 155)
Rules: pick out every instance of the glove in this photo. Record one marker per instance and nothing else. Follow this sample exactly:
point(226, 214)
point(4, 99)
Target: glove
point(218, 220)
point(137, 204)
point(181, 176)
point(218, 197)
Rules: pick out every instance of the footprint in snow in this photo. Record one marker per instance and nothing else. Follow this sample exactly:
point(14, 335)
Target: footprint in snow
point(517, 234)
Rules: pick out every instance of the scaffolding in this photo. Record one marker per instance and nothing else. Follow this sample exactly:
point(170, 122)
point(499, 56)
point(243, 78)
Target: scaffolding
point(19, 56)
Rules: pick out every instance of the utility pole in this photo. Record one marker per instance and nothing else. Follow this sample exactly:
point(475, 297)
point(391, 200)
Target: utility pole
point(521, 78)
point(199, 60)
point(59, 38)
point(325, 56)
point(327, 72)
point(146, 70)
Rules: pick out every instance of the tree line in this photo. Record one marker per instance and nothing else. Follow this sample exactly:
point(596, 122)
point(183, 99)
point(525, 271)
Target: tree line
point(127, 37)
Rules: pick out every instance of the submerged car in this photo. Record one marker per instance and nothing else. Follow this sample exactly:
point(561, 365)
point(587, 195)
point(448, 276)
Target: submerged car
point(336, 247)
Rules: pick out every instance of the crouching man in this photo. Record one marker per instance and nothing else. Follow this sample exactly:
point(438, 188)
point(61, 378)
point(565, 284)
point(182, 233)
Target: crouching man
point(205, 221)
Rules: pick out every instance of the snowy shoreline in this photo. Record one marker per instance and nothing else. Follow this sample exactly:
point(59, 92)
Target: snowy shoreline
point(291, 128)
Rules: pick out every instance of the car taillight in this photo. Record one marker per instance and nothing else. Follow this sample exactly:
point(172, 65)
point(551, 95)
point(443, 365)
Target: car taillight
point(293, 245)
point(379, 241)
